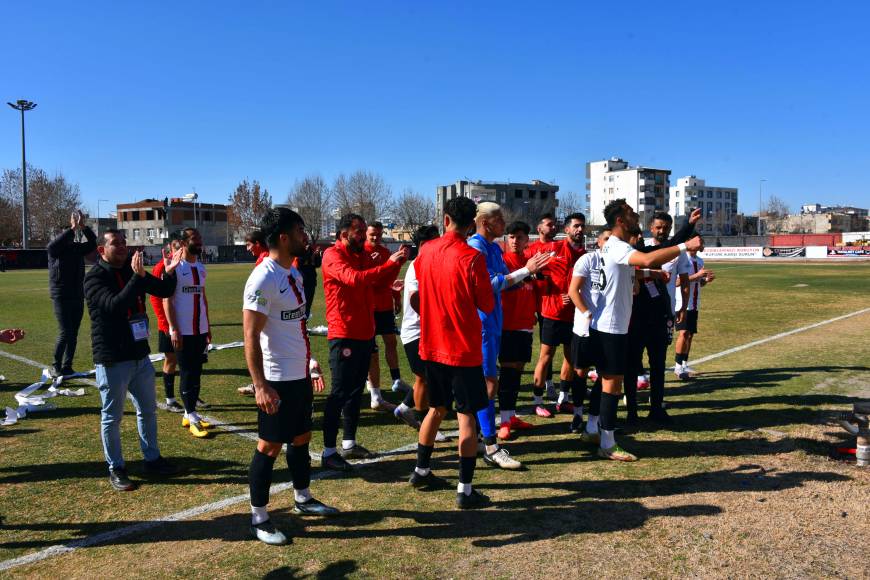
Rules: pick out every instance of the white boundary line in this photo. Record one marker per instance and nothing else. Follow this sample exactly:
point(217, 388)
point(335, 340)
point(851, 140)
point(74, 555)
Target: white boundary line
point(193, 512)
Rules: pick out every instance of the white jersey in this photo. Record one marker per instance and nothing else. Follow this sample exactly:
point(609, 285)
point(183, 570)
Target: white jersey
point(696, 264)
point(676, 267)
point(616, 288)
point(410, 319)
point(588, 267)
point(188, 301)
point(280, 295)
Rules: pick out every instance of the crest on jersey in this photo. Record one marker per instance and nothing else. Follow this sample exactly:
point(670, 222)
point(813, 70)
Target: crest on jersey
point(346, 352)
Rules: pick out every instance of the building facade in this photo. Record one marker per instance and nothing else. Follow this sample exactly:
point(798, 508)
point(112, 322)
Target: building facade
point(719, 205)
point(644, 188)
point(521, 201)
point(150, 221)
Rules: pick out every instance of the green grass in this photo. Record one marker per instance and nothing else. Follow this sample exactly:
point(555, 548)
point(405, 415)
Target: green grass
point(748, 411)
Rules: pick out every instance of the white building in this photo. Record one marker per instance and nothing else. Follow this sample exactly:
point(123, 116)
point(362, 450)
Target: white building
point(719, 205)
point(644, 188)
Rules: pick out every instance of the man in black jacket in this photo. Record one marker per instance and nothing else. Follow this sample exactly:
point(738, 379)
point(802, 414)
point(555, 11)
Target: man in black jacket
point(115, 290)
point(66, 272)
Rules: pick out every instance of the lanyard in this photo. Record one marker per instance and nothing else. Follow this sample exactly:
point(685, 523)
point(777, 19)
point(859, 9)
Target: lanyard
point(140, 306)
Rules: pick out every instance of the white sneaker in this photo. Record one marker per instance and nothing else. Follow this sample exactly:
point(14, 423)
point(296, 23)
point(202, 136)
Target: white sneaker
point(267, 533)
point(502, 459)
point(688, 370)
point(382, 405)
point(400, 386)
point(552, 395)
point(680, 372)
point(441, 437)
point(407, 417)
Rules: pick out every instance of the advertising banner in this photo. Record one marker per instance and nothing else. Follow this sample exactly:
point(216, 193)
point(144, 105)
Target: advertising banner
point(732, 253)
point(784, 252)
point(849, 251)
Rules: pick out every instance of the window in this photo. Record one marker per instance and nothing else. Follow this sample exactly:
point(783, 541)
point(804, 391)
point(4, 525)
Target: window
point(136, 233)
point(150, 233)
point(206, 216)
point(718, 194)
point(532, 194)
point(518, 193)
point(718, 206)
point(677, 208)
point(545, 194)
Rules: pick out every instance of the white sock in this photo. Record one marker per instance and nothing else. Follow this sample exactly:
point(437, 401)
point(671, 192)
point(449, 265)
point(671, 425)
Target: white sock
point(490, 449)
point(258, 515)
point(578, 411)
point(607, 439)
point(302, 495)
point(192, 417)
point(327, 451)
point(538, 400)
point(424, 471)
point(563, 396)
point(592, 424)
point(464, 488)
point(170, 400)
point(402, 408)
point(348, 444)
point(506, 415)
point(376, 393)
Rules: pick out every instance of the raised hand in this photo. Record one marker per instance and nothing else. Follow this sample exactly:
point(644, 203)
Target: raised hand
point(538, 261)
point(177, 257)
point(138, 264)
point(695, 216)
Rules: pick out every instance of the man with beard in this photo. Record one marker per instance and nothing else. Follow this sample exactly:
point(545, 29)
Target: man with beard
point(546, 242)
point(284, 374)
point(187, 313)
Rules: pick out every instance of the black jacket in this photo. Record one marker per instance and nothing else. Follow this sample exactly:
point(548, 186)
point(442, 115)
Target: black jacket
point(114, 295)
point(66, 263)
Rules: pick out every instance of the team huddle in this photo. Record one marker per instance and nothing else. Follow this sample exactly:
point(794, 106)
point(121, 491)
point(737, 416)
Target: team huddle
point(469, 313)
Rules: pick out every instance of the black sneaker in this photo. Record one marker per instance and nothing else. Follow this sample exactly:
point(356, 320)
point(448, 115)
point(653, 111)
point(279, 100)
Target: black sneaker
point(67, 371)
point(119, 480)
point(660, 416)
point(312, 507)
point(335, 462)
point(428, 482)
point(472, 501)
point(632, 420)
point(267, 533)
point(54, 372)
point(174, 407)
point(576, 424)
point(200, 404)
point(161, 467)
point(357, 452)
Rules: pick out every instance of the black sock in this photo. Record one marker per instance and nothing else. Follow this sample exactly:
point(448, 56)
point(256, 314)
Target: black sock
point(564, 386)
point(299, 462)
point(260, 478)
point(578, 391)
point(409, 398)
point(595, 398)
point(680, 358)
point(466, 469)
point(609, 403)
point(424, 455)
point(508, 388)
point(538, 391)
point(395, 374)
point(169, 385)
point(420, 414)
point(491, 440)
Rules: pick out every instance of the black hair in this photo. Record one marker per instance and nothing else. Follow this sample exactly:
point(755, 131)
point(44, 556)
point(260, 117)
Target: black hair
point(346, 221)
point(461, 211)
point(184, 235)
point(424, 234)
point(277, 221)
point(546, 216)
point(377, 225)
point(574, 216)
point(662, 215)
point(515, 227)
point(256, 237)
point(613, 210)
point(113, 231)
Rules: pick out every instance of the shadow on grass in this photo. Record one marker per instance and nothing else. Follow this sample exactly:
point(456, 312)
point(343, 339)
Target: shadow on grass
point(752, 378)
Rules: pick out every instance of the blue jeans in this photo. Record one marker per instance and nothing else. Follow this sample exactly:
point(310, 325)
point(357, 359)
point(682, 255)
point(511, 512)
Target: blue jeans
point(137, 377)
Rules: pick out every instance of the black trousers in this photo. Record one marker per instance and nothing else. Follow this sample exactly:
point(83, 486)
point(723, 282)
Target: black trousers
point(349, 365)
point(652, 337)
point(68, 312)
point(309, 286)
point(190, 359)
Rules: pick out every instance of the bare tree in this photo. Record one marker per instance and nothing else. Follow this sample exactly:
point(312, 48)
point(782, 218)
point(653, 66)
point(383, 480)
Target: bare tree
point(310, 197)
point(413, 209)
point(570, 202)
point(365, 193)
point(50, 201)
point(248, 203)
point(775, 213)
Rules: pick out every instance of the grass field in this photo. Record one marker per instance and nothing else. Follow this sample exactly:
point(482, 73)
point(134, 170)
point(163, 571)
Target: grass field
point(740, 486)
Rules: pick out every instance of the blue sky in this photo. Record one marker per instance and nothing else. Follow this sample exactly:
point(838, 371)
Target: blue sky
point(156, 98)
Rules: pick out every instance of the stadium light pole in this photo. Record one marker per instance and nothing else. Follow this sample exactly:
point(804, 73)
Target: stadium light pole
point(23, 105)
point(760, 181)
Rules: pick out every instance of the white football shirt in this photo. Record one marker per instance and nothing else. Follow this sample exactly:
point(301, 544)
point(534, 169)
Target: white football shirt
point(280, 295)
point(696, 264)
point(189, 302)
point(677, 266)
point(588, 267)
point(616, 288)
point(410, 330)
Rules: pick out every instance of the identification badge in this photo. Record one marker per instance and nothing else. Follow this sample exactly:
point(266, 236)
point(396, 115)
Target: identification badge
point(651, 288)
point(139, 328)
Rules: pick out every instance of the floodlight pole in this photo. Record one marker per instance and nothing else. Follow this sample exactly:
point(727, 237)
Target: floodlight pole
point(23, 105)
point(760, 181)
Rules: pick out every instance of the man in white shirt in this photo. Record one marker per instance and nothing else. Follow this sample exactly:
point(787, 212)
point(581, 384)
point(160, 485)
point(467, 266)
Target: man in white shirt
point(283, 373)
point(187, 315)
point(610, 321)
point(687, 328)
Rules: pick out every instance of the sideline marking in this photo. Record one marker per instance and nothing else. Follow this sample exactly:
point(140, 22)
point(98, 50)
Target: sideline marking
point(71, 546)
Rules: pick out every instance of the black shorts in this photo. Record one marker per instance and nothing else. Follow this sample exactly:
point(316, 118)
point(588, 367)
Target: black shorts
point(556, 332)
point(385, 322)
point(690, 322)
point(582, 354)
point(294, 413)
point(516, 346)
point(412, 351)
point(610, 352)
point(465, 385)
point(164, 342)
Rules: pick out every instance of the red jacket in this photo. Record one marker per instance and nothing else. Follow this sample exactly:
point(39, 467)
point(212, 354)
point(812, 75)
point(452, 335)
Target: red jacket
point(539, 247)
point(518, 303)
point(454, 284)
point(348, 282)
point(383, 291)
point(157, 303)
point(261, 257)
point(557, 274)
